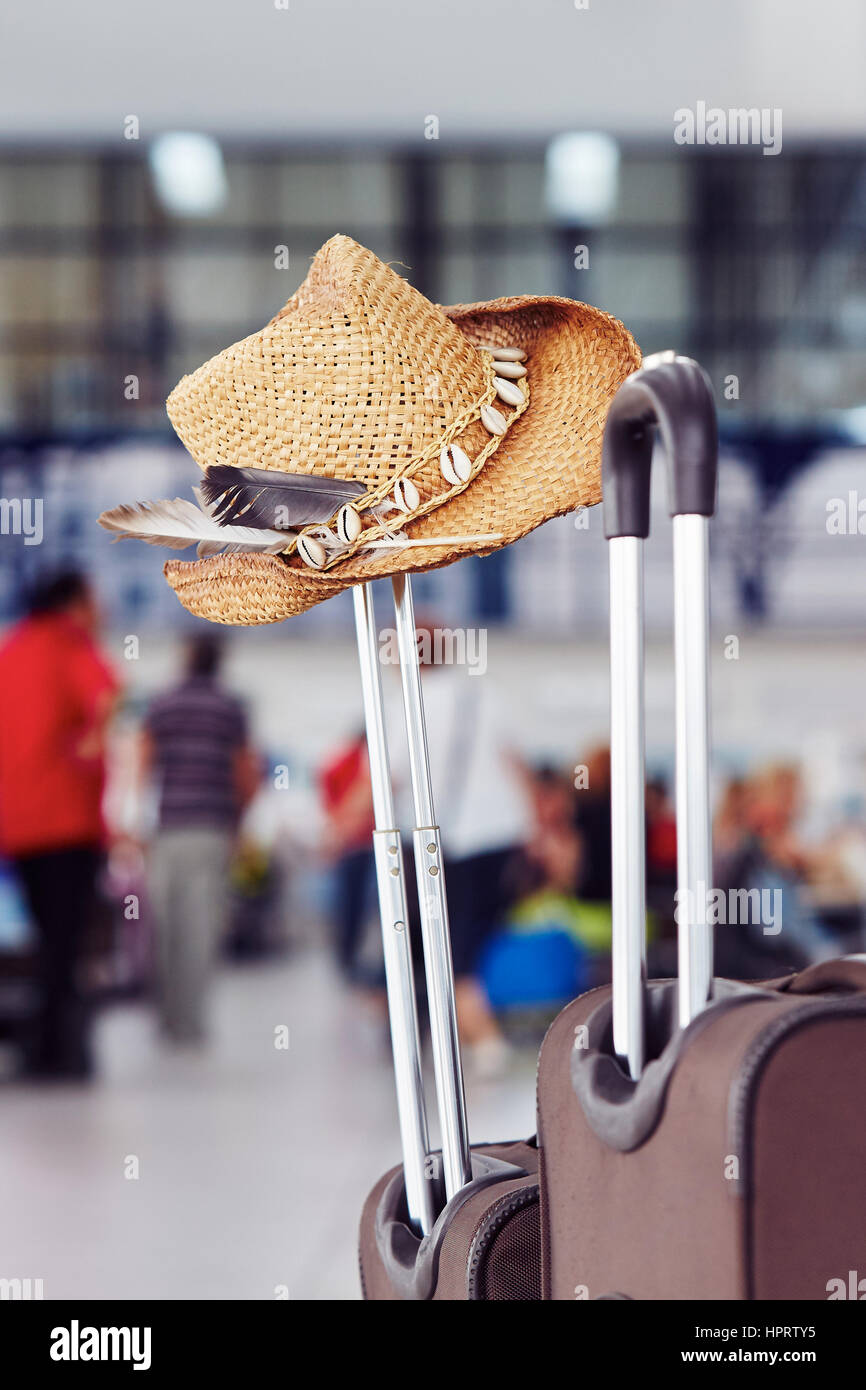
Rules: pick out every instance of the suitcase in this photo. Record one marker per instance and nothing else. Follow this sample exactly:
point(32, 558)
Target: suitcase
point(459, 1223)
point(699, 1138)
point(485, 1245)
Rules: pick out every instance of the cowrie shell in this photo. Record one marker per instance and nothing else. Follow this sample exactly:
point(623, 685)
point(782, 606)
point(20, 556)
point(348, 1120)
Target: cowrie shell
point(456, 466)
point(406, 495)
point(348, 525)
point(505, 354)
point(508, 391)
point(312, 552)
point(510, 369)
point(493, 420)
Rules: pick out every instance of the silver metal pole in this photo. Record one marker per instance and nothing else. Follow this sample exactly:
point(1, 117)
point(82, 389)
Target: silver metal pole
point(694, 831)
point(399, 978)
point(627, 775)
point(430, 875)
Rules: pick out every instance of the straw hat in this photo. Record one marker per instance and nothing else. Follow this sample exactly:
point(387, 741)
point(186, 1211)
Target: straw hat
point(454, 445)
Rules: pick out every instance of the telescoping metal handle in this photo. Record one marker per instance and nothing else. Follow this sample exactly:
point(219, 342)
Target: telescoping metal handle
point(433, 908)
point(396, 945)
point(669, 397)
point(399, 978)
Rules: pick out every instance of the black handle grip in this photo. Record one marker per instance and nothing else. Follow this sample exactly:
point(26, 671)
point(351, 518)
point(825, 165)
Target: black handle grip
point(674, 394)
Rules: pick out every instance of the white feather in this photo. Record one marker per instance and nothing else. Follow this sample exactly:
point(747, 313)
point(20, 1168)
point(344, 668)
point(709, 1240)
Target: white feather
point(180, 523)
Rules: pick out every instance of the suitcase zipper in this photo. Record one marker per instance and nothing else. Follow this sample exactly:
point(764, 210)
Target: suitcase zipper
point(743, 1088)
point(491, 1223)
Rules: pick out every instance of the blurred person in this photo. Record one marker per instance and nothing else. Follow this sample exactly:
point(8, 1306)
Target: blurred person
point(823, 881)
point(773, 808)
point(549, 907)
point(783, 859)
point(770, 857)
point(485, 818)
point(347, 797)
point(554, 851)
point(57, 693)
point(661, 852)
point(592, 819)
point(195, 744)
point(838, 878)
point(552, 797)
point(730, 828)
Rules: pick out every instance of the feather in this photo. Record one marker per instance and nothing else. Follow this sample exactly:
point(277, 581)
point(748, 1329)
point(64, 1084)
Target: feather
point(181, 523)
point(264, 497)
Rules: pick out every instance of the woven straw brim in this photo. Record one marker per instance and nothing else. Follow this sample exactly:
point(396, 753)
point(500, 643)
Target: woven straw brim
point(548, 464)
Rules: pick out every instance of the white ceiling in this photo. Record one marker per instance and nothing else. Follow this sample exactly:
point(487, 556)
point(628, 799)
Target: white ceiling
point(361, 69)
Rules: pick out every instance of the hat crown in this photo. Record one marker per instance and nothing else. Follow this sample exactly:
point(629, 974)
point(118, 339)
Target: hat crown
point(357, 374)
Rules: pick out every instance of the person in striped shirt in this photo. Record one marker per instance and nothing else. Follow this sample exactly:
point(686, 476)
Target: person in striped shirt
point(196, 746)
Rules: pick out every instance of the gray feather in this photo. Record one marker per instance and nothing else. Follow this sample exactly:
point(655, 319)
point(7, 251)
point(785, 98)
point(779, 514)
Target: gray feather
point(265, 497)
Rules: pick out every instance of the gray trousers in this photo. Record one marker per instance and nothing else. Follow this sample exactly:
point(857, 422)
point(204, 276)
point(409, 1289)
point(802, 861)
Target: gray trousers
point(188, 874)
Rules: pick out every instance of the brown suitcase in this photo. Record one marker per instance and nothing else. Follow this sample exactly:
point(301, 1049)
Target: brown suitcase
point(461, 1224)
point(485, 1246)
point(733, 1169)
point(699, 1138)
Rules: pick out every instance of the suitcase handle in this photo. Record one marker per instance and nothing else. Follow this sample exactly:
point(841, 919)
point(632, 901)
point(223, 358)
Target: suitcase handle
point(672, 394)
point(399, 975)
point(394, 917)
point(845, 973)
point(432, 907)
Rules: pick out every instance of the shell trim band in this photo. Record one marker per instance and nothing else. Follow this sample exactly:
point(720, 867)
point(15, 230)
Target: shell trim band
point(332, 549)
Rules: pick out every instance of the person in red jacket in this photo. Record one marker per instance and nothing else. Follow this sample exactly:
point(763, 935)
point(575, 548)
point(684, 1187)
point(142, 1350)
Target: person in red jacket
point(347, 798)
point(57, 692)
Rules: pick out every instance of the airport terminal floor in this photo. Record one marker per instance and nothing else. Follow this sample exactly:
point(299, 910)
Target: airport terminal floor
point(253, 1161)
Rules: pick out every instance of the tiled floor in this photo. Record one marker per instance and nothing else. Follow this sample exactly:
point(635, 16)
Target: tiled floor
point(252, 1162)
